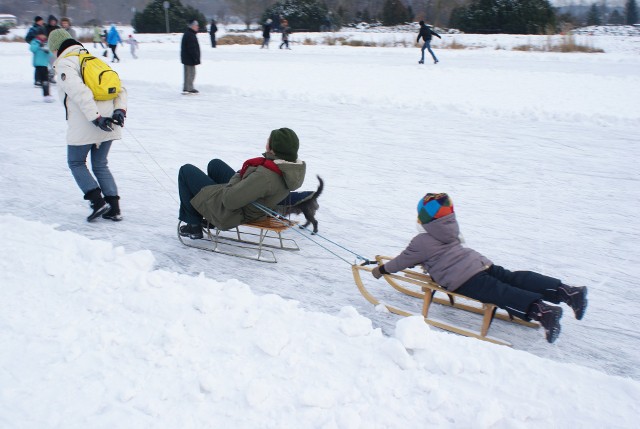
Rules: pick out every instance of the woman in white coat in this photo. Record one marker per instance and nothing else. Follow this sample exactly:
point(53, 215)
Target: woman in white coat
point(91, 128)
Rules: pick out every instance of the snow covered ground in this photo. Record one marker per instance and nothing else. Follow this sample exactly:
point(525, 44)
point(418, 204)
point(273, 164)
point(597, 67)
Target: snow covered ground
point(107, 323)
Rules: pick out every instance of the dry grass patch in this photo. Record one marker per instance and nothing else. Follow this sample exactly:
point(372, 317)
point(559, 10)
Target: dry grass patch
point(453, 44)
point(239, 39)
point(567, 44)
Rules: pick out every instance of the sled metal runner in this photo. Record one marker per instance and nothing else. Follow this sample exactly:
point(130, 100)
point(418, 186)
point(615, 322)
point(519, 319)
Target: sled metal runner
point(241, 242)
point(407, 281)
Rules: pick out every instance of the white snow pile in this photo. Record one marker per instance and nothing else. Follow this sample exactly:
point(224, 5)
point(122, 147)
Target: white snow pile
point(609, 30)
point(93, 336)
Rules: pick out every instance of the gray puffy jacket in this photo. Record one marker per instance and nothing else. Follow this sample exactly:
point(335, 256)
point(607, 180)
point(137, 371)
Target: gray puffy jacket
point(441, 254)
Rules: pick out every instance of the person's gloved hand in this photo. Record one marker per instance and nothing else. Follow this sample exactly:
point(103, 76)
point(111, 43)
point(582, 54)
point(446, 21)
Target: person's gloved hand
point(103, 123)
point(379, 271)
point(118, 116)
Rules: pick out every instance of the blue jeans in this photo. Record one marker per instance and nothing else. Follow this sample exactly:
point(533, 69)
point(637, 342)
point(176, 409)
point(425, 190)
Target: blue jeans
point(191, 180)
point(427, 45)
point(77, 161)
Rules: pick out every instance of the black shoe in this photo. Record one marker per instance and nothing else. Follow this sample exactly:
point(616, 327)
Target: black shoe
point(194, 231)
point(436, 62)
point(549, 317)
point(98, 204)
point(574, 297)
point(193, 91)
point(420, 62)
point(114, 210)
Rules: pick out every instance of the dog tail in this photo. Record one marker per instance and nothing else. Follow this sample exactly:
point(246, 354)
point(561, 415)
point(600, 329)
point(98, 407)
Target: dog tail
point(320, 188)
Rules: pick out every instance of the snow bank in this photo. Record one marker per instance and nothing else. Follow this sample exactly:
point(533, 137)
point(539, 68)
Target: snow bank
point(93, 336)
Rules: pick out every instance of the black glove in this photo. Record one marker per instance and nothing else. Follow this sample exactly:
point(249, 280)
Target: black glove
point(103, 123)
point(379, 271)
point(118, 117)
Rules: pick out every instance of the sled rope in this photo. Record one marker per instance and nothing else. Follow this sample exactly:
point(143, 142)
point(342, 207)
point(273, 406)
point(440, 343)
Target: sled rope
point(147, 168)
point(277, 216)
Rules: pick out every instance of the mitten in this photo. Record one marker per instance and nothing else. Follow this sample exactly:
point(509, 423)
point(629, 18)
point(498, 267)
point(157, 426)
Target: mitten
point(379, 271)
point(118, 116)
point(103, 123)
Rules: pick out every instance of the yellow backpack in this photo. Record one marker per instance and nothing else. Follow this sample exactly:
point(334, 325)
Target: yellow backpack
point(101, 79)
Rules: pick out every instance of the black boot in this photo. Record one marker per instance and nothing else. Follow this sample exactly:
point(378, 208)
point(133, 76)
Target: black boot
point(98, 204)
point(193, 231)
point(114, 211)
point(548, 316)
point(574, 297)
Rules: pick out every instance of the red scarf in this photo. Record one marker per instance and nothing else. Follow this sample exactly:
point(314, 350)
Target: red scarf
point(261, 161)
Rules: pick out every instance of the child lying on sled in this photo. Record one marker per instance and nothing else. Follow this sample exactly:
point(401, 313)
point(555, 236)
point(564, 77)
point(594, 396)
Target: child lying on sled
point(456, 268)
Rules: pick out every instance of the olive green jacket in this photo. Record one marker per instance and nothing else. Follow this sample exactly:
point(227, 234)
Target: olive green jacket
point(229, 205)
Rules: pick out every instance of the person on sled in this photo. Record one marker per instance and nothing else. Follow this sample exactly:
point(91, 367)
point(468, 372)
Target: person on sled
point(224, 197)
point(438, 248)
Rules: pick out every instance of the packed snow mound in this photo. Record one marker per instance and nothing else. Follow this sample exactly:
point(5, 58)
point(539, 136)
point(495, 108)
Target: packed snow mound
point(93, 336)
point(609, 30)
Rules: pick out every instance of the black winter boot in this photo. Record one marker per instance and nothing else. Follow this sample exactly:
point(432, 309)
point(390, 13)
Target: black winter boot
point(114, 211)
point(574, 297)
point(549, 317)
point(193, 231)
point(98, 204)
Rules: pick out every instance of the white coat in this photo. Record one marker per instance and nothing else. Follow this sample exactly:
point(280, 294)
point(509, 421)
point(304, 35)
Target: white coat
point(80, 106)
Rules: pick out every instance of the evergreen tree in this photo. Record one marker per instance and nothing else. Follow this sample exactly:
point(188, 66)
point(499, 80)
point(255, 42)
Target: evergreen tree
point(394, 12)
point(631, 10)
point(616, 18)
point(505, 16)
point(152, 18)
point(308, 15)
point(593, 17)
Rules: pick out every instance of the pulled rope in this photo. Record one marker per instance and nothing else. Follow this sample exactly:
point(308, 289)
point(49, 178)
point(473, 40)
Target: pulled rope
point(277, 216)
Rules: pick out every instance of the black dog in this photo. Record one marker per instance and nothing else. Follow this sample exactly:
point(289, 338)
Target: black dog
point(305, 203)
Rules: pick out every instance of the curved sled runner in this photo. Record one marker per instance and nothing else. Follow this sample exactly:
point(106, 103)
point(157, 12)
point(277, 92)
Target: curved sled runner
point(246, 243)
point(408, 281)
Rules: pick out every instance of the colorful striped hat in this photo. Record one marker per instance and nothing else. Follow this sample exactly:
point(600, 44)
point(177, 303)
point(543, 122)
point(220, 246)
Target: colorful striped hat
point(434, 206)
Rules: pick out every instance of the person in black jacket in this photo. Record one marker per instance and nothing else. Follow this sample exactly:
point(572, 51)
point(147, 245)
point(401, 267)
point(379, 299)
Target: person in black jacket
point(425, 33)
point(212, 32)
point(190, 56)
point(266, 34)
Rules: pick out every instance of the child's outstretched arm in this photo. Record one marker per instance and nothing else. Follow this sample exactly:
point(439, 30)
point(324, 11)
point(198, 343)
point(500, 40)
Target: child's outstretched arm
point(415, 253)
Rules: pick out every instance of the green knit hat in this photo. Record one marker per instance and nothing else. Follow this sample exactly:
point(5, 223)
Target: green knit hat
point(56, 37)
point(284, 143)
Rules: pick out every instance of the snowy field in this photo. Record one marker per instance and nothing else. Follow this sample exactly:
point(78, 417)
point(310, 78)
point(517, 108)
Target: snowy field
point(117, 324)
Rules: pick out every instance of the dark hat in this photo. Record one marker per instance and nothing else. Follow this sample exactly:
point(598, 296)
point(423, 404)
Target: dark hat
point(284, 143)
point(37, 18)
point(421, 22)
point(56, 37)
point(52, 18)
point(434, 206)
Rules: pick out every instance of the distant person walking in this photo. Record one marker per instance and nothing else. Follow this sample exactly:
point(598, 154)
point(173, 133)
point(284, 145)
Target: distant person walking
point(266, 33)
point(133, 45)
point(35, 29)
point(113, 38)
point(41, 56)
point(97, 36)
point(212, 31)
point(286, 30)
point(190, 56)
point(92, 126)
point(426, 33)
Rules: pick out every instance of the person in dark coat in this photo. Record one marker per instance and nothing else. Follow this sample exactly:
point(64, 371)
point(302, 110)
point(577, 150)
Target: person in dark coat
point(212, 31)
point(438, 248)
point(52, 24)
point(425, 33)
point(36, 29)
point(266, 34)
point(190, 56)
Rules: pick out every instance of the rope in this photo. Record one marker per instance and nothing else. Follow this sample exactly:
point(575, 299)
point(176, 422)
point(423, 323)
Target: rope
point(277, 216)
point(146, 168)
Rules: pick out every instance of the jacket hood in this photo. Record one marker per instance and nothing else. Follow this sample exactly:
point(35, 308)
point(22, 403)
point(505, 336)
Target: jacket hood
point(292, 172)
point(445, 229)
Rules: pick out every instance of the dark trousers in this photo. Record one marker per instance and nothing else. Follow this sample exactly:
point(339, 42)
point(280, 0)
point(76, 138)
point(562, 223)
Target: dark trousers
point(191, 180)
point(42, 76)
point(213, 40)
point(511, 291)
point(113, 49)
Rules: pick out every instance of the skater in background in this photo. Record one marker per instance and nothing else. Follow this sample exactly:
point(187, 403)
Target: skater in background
point(438, 248)
point(225, 197)
point(66, 24)
point(266, 33)
point(113, 38)
point(36, 29)
point(104, 41)
point(286, 30)
point(52, 24)
point(212, 32)
point(91, 128)
point(426, 33)
point(190, 56)
point(133, 45)
point(97, 36)
point(41, 56)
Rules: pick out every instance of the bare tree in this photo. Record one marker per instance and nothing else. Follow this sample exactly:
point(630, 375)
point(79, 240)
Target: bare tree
point(63, 5)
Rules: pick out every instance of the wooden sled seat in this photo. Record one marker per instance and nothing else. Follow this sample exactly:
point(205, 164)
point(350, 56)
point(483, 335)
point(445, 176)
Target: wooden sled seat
point(427, 291)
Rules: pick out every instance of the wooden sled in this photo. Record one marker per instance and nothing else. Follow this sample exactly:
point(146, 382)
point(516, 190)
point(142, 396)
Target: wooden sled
point(245, 242)
point(427, 290)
